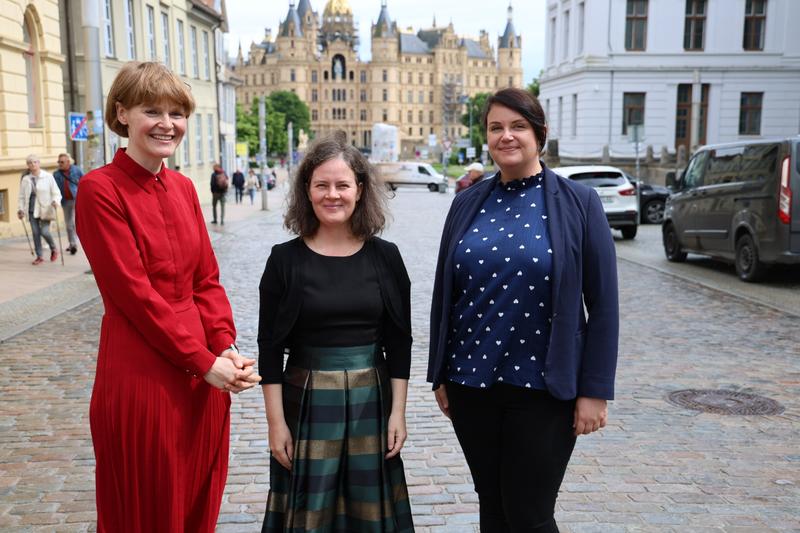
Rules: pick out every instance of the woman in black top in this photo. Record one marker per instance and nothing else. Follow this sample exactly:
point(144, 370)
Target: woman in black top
point(337, 298)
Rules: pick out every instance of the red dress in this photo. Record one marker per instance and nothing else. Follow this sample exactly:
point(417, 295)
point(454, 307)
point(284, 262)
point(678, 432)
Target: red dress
point(160, 432)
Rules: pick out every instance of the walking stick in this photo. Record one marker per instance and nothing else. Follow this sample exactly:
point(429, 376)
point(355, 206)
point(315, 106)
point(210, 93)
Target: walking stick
point(60, 247)
point(27, 238)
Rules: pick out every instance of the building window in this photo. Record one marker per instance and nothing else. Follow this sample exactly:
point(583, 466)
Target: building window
point(314, 76)
point(314, 115)
point(421, 117)
point(573, 130)
point(193, 46)
point(362, 75)
point(421, 97)
point(385, 95)
point(683, 115)
point(430, 97)
point(636, 25)
point(552, 54)
point(151, 33)
point(198, 137)
point(130, 29)
point(165, 36)
point(694, 25)
point(363, 95)
point(314, 95)
point(755, 20)
point(108, 28)
point(292, 75)
point(750, 114)
point(565, 51)
point(580, 30)
point(632, 110)
point(385, 115)
point(206, 57)
point(363, 114)
point(210, 136)
point(560, 130)
point(385, 75)
point(410, 116)
point(187, 160)
point(181, 51)
point(31, 57)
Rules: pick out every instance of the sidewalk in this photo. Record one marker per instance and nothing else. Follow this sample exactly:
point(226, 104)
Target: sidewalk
point(30, 295)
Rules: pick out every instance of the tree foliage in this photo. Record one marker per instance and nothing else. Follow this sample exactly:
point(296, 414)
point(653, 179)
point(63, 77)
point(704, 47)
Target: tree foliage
point(293, 109)
point(533, 86)
point(247, 128)
point(475, 104)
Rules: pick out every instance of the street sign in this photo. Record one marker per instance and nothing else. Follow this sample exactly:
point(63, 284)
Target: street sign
point(462, 143)
point(78, 129)
point(485, 147)
point(447, 144)
point(432, 140)
point(470, 151)
point(241, 149)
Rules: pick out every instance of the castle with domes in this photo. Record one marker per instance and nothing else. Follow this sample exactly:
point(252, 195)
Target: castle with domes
point(416, 81)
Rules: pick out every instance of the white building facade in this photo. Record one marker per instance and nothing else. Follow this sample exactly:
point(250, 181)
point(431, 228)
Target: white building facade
point(688, 72)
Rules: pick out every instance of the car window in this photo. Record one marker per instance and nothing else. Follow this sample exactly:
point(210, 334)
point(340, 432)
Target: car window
point(423, 170)
point(760, 162)
point(723, 165)
point(694, 172)
point(600, 178)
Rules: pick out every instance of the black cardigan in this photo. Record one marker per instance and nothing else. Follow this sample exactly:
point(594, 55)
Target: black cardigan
point(281, 297)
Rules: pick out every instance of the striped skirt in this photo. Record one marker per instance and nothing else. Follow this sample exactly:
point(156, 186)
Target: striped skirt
point(337, 403)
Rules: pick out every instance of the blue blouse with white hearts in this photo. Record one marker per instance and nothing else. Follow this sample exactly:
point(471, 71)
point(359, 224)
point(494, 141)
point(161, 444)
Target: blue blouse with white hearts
point(502, 306)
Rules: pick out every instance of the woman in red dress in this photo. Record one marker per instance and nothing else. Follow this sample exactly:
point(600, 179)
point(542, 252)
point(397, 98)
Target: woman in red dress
point(159, 412)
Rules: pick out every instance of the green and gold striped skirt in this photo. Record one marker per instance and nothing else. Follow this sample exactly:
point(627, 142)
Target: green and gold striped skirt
point(337, 403)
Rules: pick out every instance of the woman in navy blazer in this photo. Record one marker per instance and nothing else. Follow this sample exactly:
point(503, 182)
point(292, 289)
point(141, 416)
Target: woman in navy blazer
point(524, 321)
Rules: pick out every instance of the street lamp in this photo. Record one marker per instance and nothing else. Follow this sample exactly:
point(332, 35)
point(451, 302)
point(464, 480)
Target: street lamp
point(464, 99)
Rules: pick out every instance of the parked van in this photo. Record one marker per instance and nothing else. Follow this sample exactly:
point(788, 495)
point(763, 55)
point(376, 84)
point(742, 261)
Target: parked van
point(403, 173)
point(739, 202)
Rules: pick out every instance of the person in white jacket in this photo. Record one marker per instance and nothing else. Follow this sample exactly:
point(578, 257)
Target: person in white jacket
point(39, 197)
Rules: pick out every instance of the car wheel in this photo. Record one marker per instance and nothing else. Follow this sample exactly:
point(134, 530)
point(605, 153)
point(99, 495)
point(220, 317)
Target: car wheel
point(748, 265)
point(672, 247)
point(629, 232)
point(433, 187)
point(654, 212)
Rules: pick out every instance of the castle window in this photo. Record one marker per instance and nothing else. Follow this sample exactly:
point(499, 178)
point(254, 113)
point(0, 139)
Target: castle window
point(363, 76)
point(385, 75)
point(314, 115)
point(314, 76)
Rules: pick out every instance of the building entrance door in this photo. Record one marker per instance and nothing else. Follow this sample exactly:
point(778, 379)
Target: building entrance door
point(683, 116)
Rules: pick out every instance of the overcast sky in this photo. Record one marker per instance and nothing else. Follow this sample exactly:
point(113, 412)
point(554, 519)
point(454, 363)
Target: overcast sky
point(247, 20)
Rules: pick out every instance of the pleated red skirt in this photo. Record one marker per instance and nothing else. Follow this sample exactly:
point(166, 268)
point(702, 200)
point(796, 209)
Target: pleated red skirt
point(160, 437)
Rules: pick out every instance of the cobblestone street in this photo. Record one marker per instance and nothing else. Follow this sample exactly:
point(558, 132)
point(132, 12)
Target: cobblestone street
point(655, 468)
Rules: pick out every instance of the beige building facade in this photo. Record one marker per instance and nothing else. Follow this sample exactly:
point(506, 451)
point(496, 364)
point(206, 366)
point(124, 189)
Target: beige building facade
point(31, 97)
point(184, 35)
point(415, 81)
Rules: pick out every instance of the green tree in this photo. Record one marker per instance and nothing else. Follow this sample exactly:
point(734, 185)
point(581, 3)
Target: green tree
point(533, 86)
point(293, 110)
point(247, 128)
point(475, 104)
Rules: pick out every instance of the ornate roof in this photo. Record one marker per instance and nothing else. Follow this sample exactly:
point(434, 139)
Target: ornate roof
point(337, 8)
point(509, 38)
point(384, 27)
point(292, 26)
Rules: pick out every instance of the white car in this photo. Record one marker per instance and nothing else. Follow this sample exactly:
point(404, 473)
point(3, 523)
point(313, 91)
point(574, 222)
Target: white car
point(411, 173)
point(619, 196)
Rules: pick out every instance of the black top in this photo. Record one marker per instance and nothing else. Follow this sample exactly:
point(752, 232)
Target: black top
point(342, 303)
point(282, 297)
point(238, 180)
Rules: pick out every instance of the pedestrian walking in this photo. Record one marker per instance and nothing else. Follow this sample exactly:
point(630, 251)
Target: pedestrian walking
point(39, 197)
point(67, 177)
point(253, 184)
point(475, 173)
point(219, 191)
point(160, 407)
point(338, 297)
point(515, 361)
point(238, 185)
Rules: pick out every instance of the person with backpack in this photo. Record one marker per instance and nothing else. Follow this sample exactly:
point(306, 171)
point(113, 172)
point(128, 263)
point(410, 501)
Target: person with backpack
point(219, 189)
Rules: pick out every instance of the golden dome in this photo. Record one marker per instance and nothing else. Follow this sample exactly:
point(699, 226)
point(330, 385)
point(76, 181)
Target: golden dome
point(337, 8)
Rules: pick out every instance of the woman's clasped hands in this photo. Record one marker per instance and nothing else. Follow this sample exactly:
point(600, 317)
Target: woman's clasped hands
point(232, 372)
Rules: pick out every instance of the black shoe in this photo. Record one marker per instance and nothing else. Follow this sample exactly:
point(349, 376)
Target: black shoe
point(73, 249)
point(213, 221)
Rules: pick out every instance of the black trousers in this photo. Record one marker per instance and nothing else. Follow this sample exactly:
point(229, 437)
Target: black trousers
point(517, 443)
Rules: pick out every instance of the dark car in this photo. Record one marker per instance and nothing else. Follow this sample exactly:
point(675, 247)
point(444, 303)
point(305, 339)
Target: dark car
point(738, 202)
point(652, 199)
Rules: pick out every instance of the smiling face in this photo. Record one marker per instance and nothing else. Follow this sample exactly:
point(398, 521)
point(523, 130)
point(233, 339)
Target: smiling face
point(154, 131)
point(333, 192)
point(512, 142)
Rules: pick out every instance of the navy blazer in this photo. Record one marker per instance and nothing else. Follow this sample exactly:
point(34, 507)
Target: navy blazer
point(582, 350)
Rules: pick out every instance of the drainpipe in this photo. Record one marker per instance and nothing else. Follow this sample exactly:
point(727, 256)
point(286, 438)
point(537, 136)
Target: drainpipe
point(697, 94)
point(90, 22)
point(611, 81)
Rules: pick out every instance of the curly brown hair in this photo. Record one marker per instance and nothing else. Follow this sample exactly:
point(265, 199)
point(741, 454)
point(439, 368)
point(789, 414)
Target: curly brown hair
point(369, 216)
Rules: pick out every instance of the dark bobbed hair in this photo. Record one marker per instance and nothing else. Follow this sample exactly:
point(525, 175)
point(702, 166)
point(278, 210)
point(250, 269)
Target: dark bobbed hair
point(524, 103)
point(369, 216)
